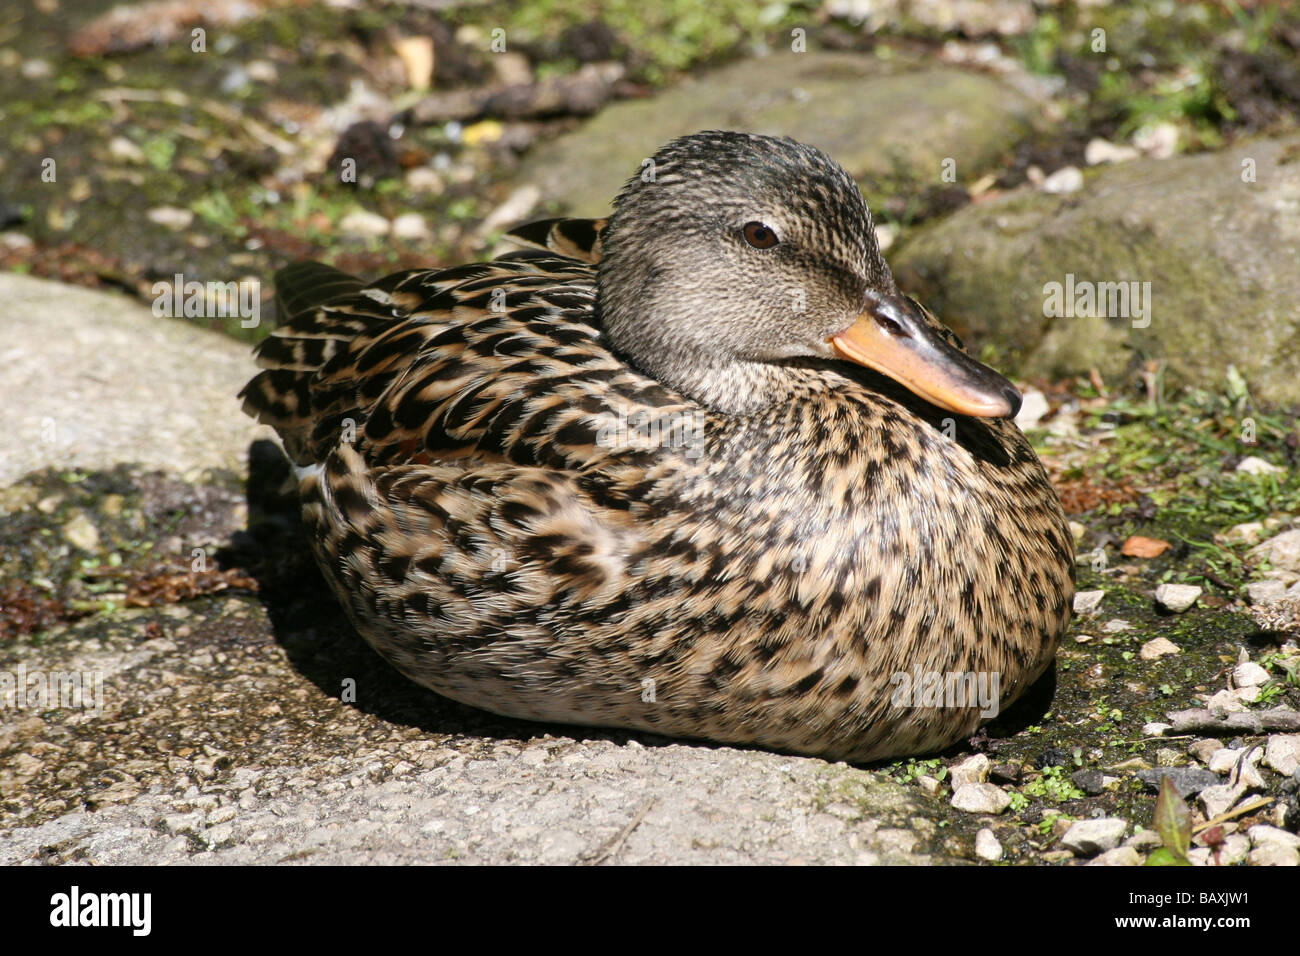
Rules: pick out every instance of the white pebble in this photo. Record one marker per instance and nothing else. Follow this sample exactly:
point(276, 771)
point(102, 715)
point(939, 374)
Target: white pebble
point(1177, 597)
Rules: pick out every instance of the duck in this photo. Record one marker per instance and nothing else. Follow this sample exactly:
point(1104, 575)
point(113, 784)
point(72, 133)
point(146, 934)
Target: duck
point(698, 470)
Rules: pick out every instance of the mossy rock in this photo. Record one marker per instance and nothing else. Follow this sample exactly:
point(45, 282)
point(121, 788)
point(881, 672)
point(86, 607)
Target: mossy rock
point(1219, 252)
point(891, 125)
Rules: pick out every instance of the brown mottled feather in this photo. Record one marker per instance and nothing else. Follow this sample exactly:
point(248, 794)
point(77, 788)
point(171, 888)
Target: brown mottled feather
point(572, 238)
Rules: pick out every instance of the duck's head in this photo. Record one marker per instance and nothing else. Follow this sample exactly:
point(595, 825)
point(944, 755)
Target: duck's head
point(732, 257)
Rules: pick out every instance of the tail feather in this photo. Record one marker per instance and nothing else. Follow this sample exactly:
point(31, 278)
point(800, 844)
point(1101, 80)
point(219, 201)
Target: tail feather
point(305, 286)
point(309, 336)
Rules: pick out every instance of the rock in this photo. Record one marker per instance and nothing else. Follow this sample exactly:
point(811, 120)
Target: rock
point(1275, 855)
point(929, 785)
point(987, 846)
point(363, 224)
point(1248, 532)
point(1144, 839)
point(221, 833)
point(424, 179)
point(1281, 551)
point(1262, 835)
point(81, 533)
point(1219, 799)
point(1241, 764)
point(1033, 406)
point(1282, 753)
point(891, 126)
point(1265, 592)
point(980, 798)
point(1189, 780)
point(1132, 763)
point(235, 82)
point(51, 330)
point(1234, 849)
point(1005, 773)
point(36, 69)
point(974, 769)
point(1230, 701)
point(1177, 598)
point(1090, 782)
point(221, 815)
point(1003, 17)
point(170, 216)
point(988, 270)
point(1248, 774)
point(1222, 761)
point(1155, 729)
point(1067, 179)
point(182, 822)
point(1205, 748)
point(1159, 141)
point(410, 226)
point(262, 71)
point(1090, 837)
point(1087, 602)
point(126, 151)
point(1116, 626)
point(1078, 531)
point(1254, 465)
point(1249, 674)
point(1119, 856)
point(1157, 648)
point(1100, 151)
point(1168, 757)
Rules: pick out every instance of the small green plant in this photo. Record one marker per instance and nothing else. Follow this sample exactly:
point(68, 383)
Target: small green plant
point(914, 768)
point(1053, 785)
point(1269, 693)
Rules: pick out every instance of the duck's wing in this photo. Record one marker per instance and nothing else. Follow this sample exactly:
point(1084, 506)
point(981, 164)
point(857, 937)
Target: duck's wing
point(578, 239)
point(496, 361)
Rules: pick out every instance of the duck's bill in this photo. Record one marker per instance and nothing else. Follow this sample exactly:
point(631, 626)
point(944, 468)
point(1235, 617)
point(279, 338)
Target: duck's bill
point(893, 338)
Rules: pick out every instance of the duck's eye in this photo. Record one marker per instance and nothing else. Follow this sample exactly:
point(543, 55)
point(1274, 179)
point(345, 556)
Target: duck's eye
point(759, 236)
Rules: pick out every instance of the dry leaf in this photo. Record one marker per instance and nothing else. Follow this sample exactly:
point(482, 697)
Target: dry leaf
point(1140, 547)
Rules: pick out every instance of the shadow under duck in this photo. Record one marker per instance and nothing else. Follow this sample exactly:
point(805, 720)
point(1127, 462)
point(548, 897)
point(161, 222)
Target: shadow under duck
point(700, 469)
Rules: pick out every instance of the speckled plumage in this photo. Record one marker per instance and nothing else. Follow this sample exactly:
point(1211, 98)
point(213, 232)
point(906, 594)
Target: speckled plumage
point(499, 520)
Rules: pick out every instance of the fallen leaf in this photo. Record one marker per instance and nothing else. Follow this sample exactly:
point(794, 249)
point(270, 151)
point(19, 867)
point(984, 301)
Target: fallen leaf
point(1140, 547)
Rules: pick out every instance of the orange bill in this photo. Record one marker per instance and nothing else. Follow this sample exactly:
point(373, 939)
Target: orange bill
point(893, 337)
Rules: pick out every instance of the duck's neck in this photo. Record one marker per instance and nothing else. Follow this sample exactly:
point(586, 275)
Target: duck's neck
point(728, 387)
point(690, 359)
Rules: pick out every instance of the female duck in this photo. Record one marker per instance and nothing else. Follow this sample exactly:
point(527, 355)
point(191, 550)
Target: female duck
point(700, 470)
